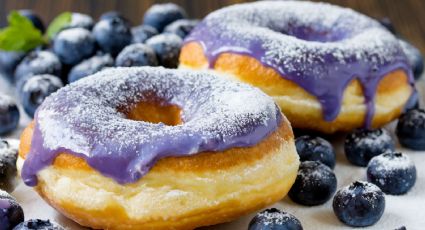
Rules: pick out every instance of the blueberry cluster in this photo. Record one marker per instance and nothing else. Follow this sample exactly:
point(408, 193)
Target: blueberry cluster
point(361, 203)
point(82, 47)
point(316, 182)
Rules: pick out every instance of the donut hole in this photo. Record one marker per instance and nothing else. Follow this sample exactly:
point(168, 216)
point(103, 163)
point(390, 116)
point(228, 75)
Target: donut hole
point(155, 112)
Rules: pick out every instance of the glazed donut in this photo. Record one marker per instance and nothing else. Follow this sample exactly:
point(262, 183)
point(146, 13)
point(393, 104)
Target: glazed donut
point(328, 68)
point(154, 148)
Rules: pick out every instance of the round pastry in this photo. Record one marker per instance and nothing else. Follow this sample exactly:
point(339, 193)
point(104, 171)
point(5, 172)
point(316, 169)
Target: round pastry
point(154, 148)
point(328, 68)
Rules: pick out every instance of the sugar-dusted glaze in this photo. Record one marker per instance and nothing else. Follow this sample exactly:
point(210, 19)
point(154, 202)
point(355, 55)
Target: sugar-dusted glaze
point(320, 47)
point(85, 119)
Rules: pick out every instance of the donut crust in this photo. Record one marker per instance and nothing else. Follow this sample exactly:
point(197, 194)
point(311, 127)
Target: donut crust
point(179, 192)
point(301, 108)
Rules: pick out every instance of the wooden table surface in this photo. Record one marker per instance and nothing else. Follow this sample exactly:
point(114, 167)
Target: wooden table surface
point(408, 16)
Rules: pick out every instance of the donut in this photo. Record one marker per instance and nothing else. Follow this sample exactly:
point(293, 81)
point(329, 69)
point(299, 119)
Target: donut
point(329, 68)
point(155, 148)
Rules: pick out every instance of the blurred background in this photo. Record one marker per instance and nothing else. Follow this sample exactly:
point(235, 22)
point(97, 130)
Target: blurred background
point(408, 16)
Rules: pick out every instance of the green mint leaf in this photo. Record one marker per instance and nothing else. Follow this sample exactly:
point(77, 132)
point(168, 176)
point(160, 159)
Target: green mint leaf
point(20, 35)
point(61, 21)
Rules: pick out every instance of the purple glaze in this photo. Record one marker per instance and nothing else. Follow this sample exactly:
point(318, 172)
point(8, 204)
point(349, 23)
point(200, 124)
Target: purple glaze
point(320, 47)
point(83, 119)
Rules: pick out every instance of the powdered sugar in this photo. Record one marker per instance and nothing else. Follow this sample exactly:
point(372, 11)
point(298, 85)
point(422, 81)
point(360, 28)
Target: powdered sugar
point(74, 35)
point(6, 101)
point(391, 161)
point(42, 82)
point(81, 20)
point(44, 58)
point(274, 216)
point(363, 186)
point(371, 139)
point(164, 8)
point(90, 66)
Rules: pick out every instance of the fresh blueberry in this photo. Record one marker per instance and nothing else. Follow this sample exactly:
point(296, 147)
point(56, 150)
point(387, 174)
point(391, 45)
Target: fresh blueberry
point(112, 34)
point(8, 171)
point(181, 27)
point(37, 224)
point(90, 66)
point(9, 60)
point(393, 173)
point(386, 22)
point(35, 89)
point(143, 33)
point(79, 20)
point(274, 219)
point(361, 145)
point(415, 58)
point(311, 148)
point(315, 184)
point(160, 15)
point(74, 45)
point(11, 213)
point(36, 21)
point(411, 129)
point(167, 49)
point(360, 204)
point(38, 62)
point(9, 114)
point(137, 55)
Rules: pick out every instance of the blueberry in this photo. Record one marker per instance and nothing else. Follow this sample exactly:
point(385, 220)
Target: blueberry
point(74, 45)
point(8, 171)
point(393, 173)
point(9, 114)
point(90, 66)
point(79, 20)
point(415, 58)
point(167, 49)
point(112, 34)
point(315, 149)
point(9, 60)
point(11, 213)
point(35, 89)
point(360, 204)
point(181, 27)
point(143, 33)
point(160, 15)
point(38, 62)
point(137, 55)
point(361, 145)
point(274, 219)
point(37, 224)
point(386, 22)
point(36, 21)
point(411, 129)
point(315, 184)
